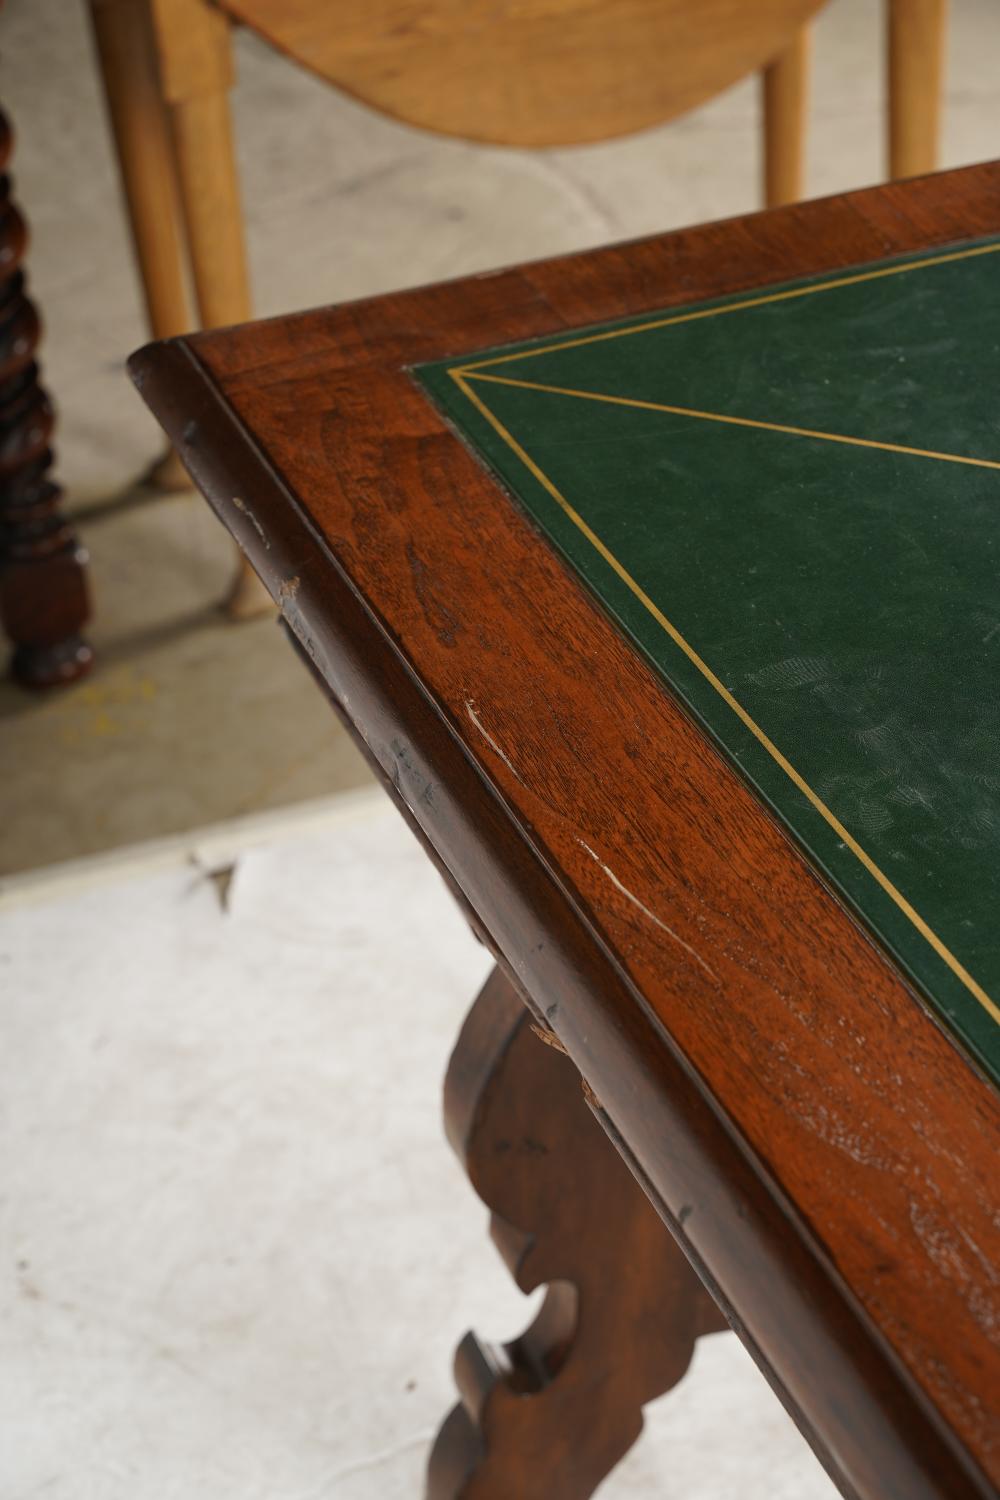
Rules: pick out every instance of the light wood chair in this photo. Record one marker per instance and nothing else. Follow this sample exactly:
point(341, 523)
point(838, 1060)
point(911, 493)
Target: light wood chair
point(511, 72)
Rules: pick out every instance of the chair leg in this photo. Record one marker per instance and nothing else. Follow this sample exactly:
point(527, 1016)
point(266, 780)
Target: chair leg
point(786, 93)
point(193, 39)
point(126, 50)
point(210, 195)
point(915, 51)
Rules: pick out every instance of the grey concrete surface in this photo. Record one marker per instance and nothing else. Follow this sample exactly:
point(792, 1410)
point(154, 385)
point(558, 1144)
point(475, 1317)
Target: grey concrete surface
point(237, 1253)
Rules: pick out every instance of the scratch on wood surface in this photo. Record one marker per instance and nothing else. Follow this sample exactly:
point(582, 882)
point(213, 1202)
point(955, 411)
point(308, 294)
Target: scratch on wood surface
point(646, 911)
point(938, 1239)
point(288, 590)
point(591, 1097)
point(245, 510)
point(470, 709)
point(549, 1038)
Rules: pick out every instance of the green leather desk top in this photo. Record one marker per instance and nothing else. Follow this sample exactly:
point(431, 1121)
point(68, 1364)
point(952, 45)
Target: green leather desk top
point(790, 501)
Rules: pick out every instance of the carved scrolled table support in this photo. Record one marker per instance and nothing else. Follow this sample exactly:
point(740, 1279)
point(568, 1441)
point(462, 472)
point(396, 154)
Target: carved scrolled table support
point(547, 1416)
point(43, 588)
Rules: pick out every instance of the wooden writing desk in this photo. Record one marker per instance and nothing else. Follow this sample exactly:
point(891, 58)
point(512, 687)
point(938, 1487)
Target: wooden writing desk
point(675, 634)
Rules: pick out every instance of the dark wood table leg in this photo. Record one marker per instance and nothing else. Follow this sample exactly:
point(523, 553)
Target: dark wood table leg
point(43, 587)
point(547, 1416)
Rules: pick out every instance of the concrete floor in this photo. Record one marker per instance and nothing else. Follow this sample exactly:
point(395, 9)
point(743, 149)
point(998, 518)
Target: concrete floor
point(237, 1253)
point(188, 720)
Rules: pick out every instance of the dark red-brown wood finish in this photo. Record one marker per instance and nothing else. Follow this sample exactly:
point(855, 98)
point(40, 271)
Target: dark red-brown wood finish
point(548, 1415)
point(821, 1150)
point(43, 584)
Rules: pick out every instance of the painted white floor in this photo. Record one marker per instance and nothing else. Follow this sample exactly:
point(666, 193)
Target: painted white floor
point(236, 1251)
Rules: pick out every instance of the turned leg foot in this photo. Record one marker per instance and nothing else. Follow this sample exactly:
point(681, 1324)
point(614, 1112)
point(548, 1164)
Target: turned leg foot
point(547, 1416)
point(52, 666)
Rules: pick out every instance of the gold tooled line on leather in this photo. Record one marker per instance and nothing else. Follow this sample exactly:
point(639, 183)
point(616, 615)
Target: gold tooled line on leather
point(939, 947)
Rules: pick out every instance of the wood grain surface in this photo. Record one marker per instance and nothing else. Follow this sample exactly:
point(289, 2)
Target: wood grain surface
point(530, 72)
point(548, 1415)
point(823, 1152)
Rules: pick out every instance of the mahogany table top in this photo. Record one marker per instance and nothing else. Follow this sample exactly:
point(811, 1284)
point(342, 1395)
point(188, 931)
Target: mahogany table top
point(674, 635)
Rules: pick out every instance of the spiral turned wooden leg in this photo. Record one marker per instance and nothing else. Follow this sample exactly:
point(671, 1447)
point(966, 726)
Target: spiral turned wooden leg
point(547, 1416)
point(43, 589)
